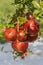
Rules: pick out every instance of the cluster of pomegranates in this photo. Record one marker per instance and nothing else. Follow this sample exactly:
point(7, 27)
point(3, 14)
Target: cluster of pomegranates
point(21, 35)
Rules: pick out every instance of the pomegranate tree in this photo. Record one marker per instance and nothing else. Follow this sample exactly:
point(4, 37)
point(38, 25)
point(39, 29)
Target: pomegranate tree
point(21, 35)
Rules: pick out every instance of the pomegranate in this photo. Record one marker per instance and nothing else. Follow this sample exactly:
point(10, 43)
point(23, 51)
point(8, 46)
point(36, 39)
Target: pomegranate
point(22, 35)
point(20, 46)
point(10, 34)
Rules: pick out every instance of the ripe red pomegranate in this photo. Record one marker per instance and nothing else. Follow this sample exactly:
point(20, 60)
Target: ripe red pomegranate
point(22, 35)
point(32, 27)
point(29, 16)
point(10, 34)
point(20, 46)
point(32, 38)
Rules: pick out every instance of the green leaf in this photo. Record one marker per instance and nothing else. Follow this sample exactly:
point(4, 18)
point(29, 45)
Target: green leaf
point(36, 11)
point(22, 20)
point(36, 4)
point(41, 3)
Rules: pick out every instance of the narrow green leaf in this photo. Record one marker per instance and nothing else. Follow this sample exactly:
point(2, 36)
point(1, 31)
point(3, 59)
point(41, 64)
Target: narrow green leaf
point(36, 4)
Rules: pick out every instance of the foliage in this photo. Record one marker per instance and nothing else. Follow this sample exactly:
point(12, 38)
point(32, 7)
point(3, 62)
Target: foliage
point(11, 10)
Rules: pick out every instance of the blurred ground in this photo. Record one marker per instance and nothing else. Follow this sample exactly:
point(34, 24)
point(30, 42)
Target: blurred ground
point(34, 58)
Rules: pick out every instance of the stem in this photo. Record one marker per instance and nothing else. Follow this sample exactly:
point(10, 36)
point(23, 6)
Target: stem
point(18, 26)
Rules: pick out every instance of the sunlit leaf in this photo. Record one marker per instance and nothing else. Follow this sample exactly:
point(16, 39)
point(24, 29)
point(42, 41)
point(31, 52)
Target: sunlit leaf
point(36, 4)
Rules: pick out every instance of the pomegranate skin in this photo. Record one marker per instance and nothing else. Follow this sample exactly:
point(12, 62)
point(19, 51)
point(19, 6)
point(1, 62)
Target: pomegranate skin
point(10, 34)
point(22, 35)
point(32, 38)
point(20, 46)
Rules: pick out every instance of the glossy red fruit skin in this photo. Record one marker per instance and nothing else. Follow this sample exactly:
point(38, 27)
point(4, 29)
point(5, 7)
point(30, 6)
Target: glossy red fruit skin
point(32, 38)
point(20, 46)
point(31, 27)
point(10, 34)
point(29, 16)
point(22, 35)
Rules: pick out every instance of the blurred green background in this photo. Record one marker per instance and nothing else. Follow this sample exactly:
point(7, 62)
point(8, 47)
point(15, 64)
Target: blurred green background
point(11, 9)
